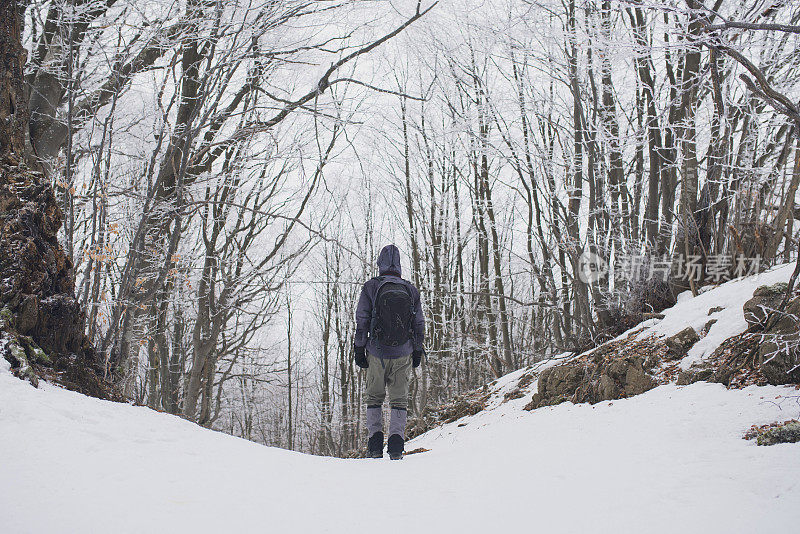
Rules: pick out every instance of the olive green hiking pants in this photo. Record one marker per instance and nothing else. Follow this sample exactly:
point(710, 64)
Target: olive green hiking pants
point(388, 374)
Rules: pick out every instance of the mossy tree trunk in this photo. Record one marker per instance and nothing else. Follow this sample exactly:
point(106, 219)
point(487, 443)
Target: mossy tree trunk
point(41, 321)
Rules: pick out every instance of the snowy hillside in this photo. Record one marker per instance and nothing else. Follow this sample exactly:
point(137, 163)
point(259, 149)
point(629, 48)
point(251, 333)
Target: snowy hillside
point(670, 460)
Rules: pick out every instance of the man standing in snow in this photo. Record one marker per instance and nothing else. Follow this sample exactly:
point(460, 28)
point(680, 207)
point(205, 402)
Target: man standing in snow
point(390, 331)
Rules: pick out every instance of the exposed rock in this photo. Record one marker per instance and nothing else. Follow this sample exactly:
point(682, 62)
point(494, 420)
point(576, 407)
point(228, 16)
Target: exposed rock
point(679, 344)
point(733, 364)
point(654, 359)
point(607, 388)
point(765, 299)
point(637, 381)
point(789, 433)
point(694, 375)
point(617, 369)
point(561, 380)
point(779, 348)
point(593, 380)
point(774, 433)
point(715, 309)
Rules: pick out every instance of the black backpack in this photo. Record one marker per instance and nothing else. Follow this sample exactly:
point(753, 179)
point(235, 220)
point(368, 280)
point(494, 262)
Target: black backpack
point(392, 315)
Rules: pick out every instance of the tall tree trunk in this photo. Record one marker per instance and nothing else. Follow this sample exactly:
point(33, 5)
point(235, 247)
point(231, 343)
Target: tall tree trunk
point(38, 282)
point(13, 107)
point(580, 293)
point(691, 245)
point(619, 197)
point(656, 160)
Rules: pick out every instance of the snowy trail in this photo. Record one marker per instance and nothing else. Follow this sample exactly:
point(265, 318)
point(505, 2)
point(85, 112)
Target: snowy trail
point(671, 460)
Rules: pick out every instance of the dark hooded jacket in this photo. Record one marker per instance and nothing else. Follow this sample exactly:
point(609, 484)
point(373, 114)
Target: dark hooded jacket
point(389, 269)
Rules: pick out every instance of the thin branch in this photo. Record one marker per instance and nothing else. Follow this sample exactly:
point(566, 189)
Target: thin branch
point(379, 89)
point(788, 28)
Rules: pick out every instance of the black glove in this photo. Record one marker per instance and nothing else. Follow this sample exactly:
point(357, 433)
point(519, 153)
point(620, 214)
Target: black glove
point(416, 358)
point(361, 357)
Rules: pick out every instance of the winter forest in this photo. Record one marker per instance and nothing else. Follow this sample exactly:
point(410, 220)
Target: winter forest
point(553, 173)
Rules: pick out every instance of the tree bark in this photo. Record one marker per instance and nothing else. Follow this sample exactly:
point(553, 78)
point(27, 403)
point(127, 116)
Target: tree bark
point(13, 107)
point(42, 321)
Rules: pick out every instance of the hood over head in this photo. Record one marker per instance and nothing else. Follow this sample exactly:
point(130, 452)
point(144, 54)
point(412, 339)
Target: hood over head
point(389, 260)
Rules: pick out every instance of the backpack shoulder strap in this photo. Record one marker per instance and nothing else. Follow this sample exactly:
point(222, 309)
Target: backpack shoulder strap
point(381, 281)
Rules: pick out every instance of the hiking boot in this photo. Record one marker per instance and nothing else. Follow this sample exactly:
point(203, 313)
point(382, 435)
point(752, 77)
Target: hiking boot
point(375, 445)
point(395, 447)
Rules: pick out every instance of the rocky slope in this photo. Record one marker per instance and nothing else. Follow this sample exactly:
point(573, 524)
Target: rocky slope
point(720, 336)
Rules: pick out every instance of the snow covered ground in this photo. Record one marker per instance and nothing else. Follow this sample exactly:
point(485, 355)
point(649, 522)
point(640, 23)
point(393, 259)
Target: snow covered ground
point(671, 460)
